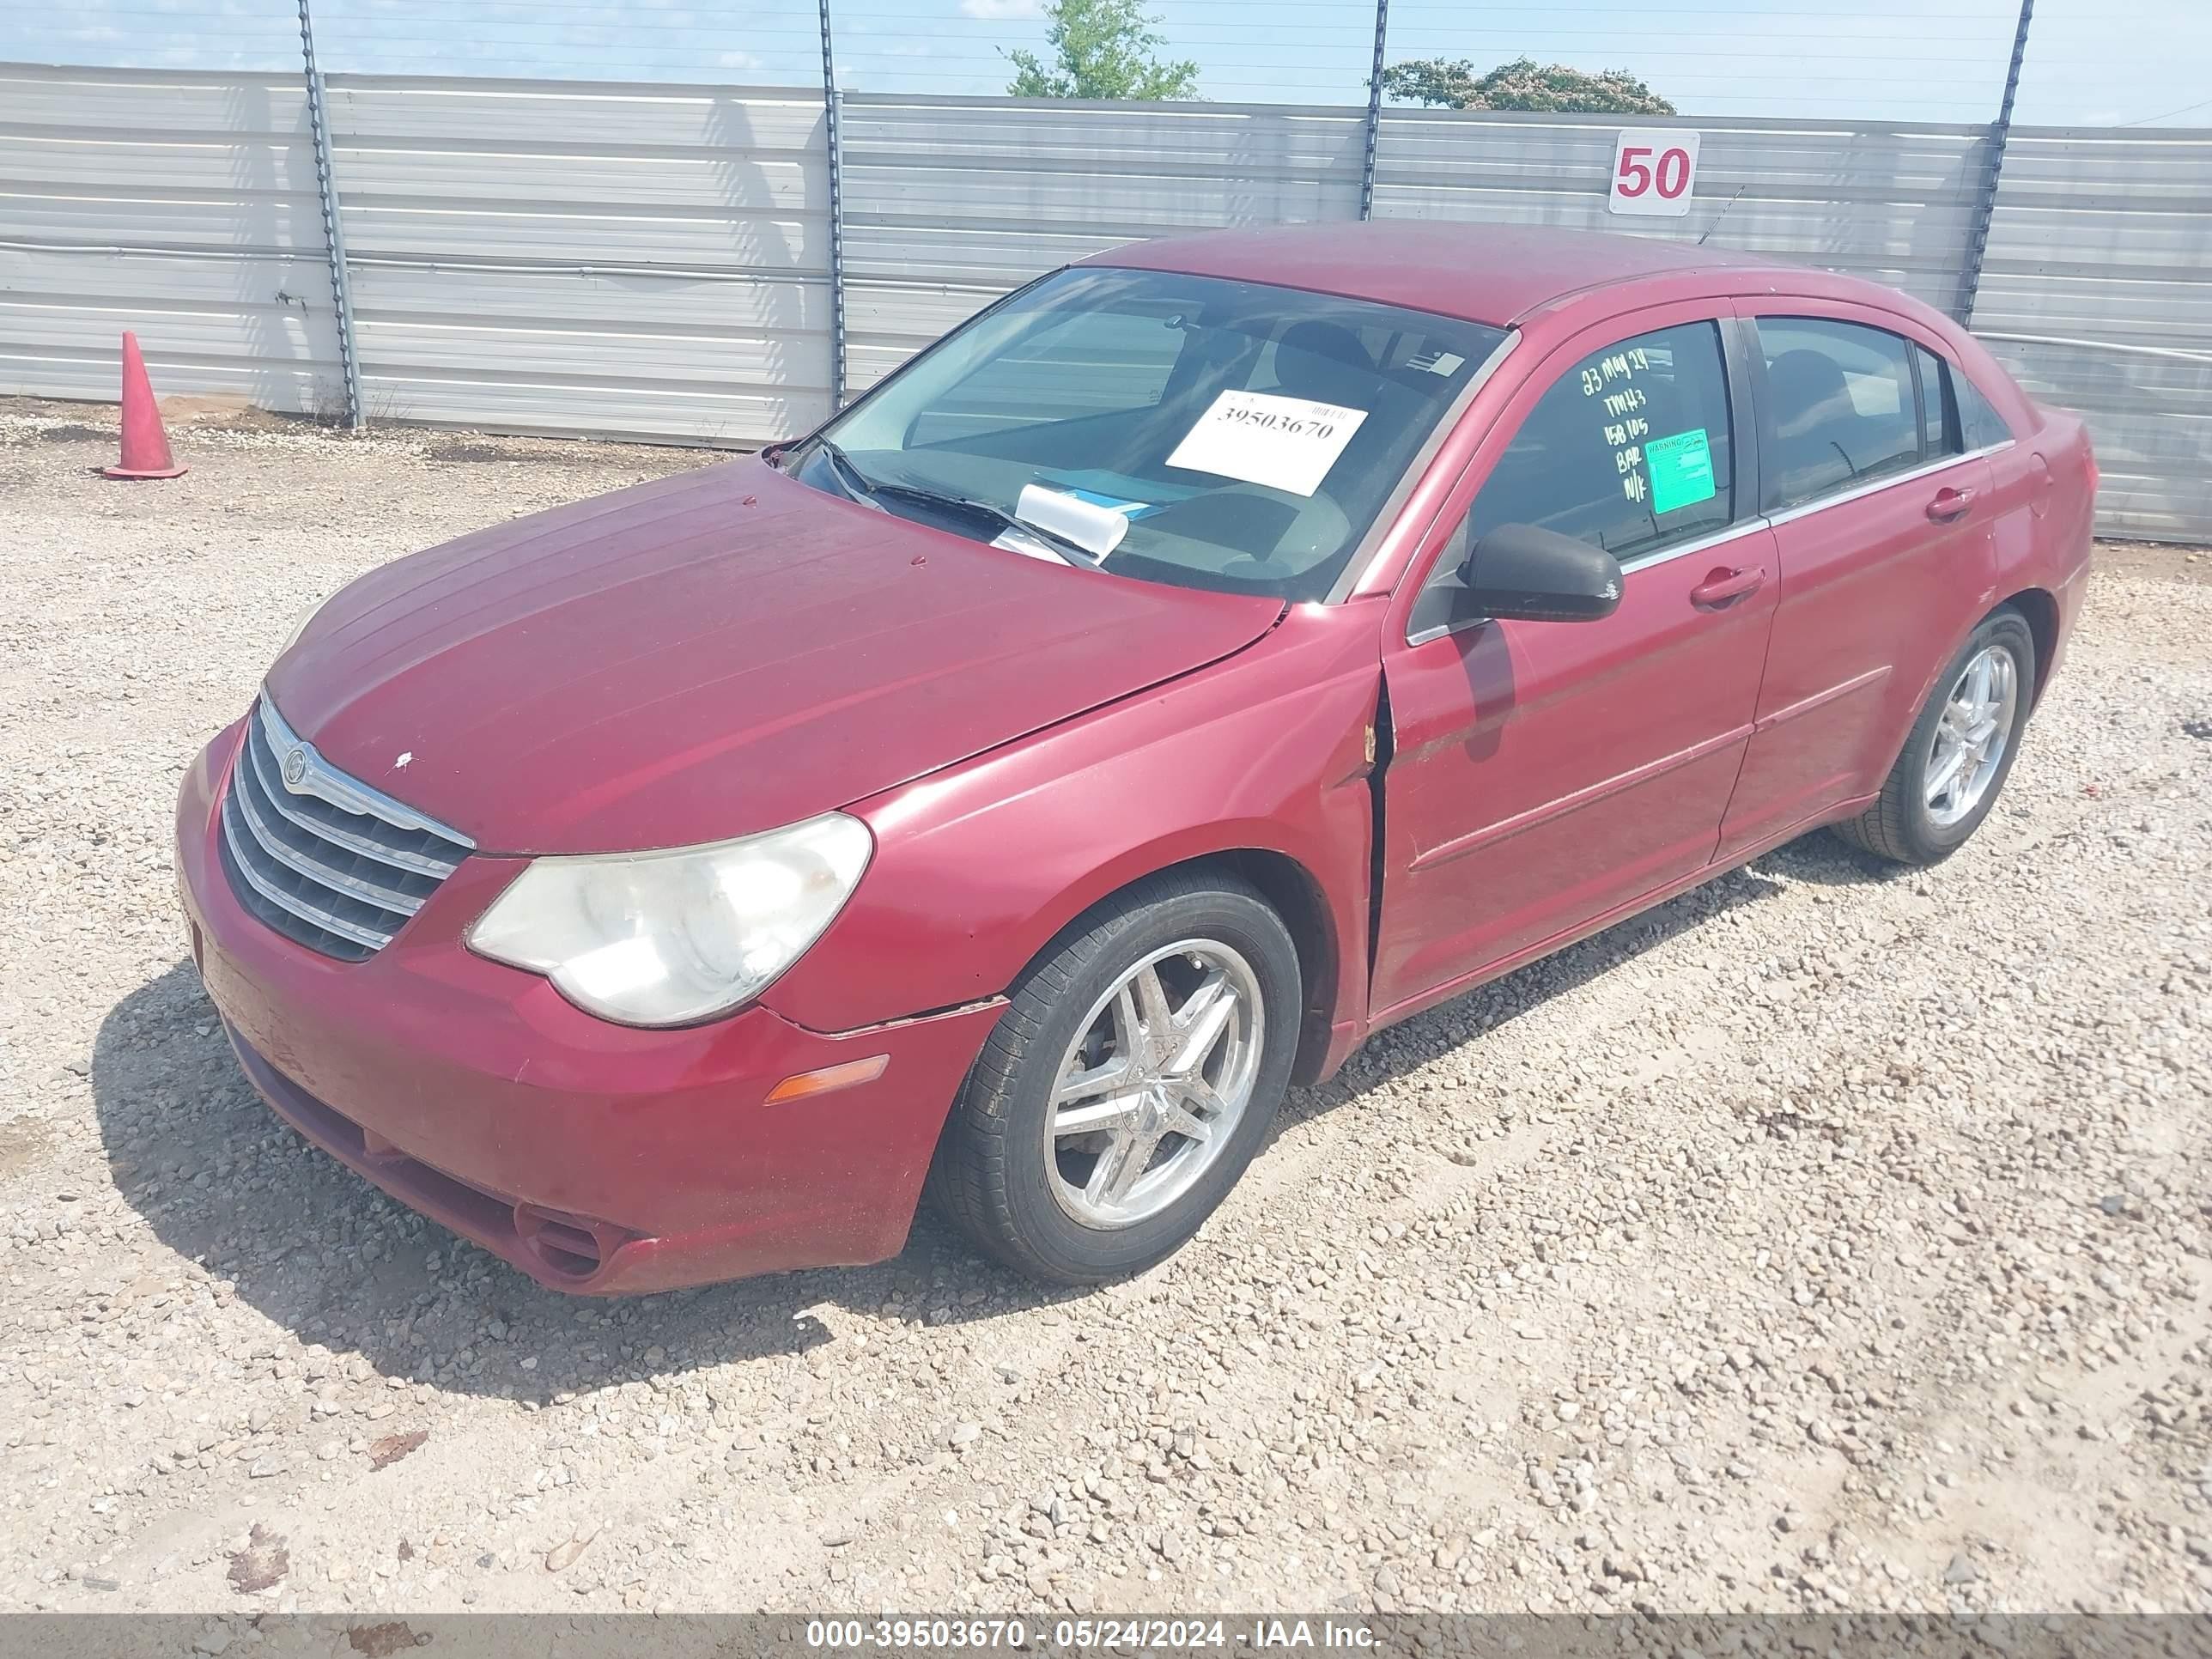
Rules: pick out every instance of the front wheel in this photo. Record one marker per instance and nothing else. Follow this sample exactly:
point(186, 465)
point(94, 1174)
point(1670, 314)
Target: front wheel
point(1961, 750)
point(1132, 1077)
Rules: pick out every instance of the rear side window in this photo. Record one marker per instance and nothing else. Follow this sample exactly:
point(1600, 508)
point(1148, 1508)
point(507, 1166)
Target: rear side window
point(1628, 451)
point(1844, 408)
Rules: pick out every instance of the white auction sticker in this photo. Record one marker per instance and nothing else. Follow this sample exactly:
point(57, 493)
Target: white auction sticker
point(1285, 443)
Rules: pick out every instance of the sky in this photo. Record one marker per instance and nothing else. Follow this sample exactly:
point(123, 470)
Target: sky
point(2090, 63)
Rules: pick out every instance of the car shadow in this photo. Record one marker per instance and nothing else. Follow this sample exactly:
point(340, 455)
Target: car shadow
point(315, 1249)
point(1430, 1035)
point(320, 1252)
point(1826, 861)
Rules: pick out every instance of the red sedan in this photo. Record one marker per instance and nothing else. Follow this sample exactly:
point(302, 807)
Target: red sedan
point(1209, 655)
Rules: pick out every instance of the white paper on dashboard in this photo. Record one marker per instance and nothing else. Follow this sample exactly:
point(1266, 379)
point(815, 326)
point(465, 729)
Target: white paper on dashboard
point(1096, 529)
point(1261, 438)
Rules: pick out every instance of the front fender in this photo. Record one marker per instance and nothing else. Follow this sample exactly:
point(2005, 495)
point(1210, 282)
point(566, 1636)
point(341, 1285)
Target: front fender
point(978, 867)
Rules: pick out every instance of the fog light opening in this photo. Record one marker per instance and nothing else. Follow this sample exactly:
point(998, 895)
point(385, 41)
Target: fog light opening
point(571, 1246)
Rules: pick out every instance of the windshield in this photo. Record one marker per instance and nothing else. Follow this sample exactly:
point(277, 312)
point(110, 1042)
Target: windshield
point(1244, 436)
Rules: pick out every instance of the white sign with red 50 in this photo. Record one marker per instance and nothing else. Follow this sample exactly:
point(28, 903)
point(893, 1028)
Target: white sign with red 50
point(1655, 172)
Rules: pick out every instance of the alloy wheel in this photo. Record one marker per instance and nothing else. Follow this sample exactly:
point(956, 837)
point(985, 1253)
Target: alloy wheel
point(1968, 744)
point(1153, 1085)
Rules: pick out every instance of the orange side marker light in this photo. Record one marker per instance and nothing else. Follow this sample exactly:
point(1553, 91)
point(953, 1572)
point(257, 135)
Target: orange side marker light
point(830, 1079)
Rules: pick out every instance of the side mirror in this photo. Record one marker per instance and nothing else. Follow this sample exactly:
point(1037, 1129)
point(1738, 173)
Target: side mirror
point(1519, 571)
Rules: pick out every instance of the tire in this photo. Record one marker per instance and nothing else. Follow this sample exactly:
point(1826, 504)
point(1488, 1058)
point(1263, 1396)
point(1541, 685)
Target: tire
point(1052, 1207)
point(1905, 823)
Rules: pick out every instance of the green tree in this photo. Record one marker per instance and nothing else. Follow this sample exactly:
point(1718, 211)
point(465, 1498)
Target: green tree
point(1522, 84)
point(1101, 48)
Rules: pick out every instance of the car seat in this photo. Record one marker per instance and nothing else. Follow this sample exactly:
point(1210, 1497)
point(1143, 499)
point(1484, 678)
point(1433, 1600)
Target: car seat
point(1817, 426)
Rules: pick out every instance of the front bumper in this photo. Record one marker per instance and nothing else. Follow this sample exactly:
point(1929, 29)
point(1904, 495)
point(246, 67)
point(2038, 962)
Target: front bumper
point(595, 1157)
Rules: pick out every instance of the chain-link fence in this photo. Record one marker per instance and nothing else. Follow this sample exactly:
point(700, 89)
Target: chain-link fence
point(693, 222)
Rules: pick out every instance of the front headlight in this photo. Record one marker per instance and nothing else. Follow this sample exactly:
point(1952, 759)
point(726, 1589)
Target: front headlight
point(668, 938)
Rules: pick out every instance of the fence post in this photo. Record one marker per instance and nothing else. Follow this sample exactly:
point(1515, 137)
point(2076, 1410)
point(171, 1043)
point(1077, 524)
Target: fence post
point(1986, 208)
point(835, 145)
point(326, 188)
point(1374, 111)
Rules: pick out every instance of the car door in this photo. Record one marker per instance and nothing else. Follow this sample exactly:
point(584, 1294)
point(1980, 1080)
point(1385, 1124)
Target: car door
point(1882, 521)
point(1545, 776)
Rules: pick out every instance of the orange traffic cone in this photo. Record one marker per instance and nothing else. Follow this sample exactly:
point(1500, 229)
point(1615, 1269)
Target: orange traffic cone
point(145, 445)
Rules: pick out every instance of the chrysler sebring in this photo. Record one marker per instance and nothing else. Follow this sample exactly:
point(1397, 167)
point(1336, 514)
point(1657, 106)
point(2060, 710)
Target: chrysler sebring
point(1212, 653)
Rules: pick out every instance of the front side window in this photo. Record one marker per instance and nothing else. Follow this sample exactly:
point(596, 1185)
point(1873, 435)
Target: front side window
point(1249, 434)
point(1843, 407)
point(1628, 451)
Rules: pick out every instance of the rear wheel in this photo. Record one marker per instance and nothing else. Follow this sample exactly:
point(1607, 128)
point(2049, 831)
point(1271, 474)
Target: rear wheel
point(1959, 752)
point(1132, 1078)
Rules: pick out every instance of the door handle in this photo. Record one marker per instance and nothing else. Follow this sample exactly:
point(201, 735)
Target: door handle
point(1721, 588)
point(1950, 503)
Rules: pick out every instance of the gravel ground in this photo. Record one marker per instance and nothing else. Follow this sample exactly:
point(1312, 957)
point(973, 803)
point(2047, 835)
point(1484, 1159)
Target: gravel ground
point(1828, 1238)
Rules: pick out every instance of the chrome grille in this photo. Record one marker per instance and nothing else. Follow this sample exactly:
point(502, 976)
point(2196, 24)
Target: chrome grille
point(321, 857)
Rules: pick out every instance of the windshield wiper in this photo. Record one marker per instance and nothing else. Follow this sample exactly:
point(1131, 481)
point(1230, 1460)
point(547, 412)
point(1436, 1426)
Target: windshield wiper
point(854, 482)
point(869, 492)
point(1074, 551)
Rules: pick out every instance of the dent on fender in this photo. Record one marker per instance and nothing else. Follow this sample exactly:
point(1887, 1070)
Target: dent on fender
point(1007, 850)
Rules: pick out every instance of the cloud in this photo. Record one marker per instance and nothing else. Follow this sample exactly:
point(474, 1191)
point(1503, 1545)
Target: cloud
point(1001, 11)
point(737, 60)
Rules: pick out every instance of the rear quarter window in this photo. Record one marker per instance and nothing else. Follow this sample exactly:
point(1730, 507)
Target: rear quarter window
point(1979, 424)
point(1954, 417)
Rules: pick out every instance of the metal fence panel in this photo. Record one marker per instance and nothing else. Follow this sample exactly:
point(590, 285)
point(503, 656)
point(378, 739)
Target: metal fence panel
point(177, 203)
point(1890, 202)
point(652, 260)
point(950, 202)
point(575, 257)
point(2097, 294)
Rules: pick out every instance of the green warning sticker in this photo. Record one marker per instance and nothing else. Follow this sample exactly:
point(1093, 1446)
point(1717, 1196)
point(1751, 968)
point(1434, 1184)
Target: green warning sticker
point(1681, 469)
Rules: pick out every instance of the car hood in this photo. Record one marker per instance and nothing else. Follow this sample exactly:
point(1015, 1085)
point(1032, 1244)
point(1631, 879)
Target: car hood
point(713, 655)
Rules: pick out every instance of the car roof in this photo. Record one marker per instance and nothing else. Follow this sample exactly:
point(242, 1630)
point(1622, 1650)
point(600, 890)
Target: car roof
point(1485, 273)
